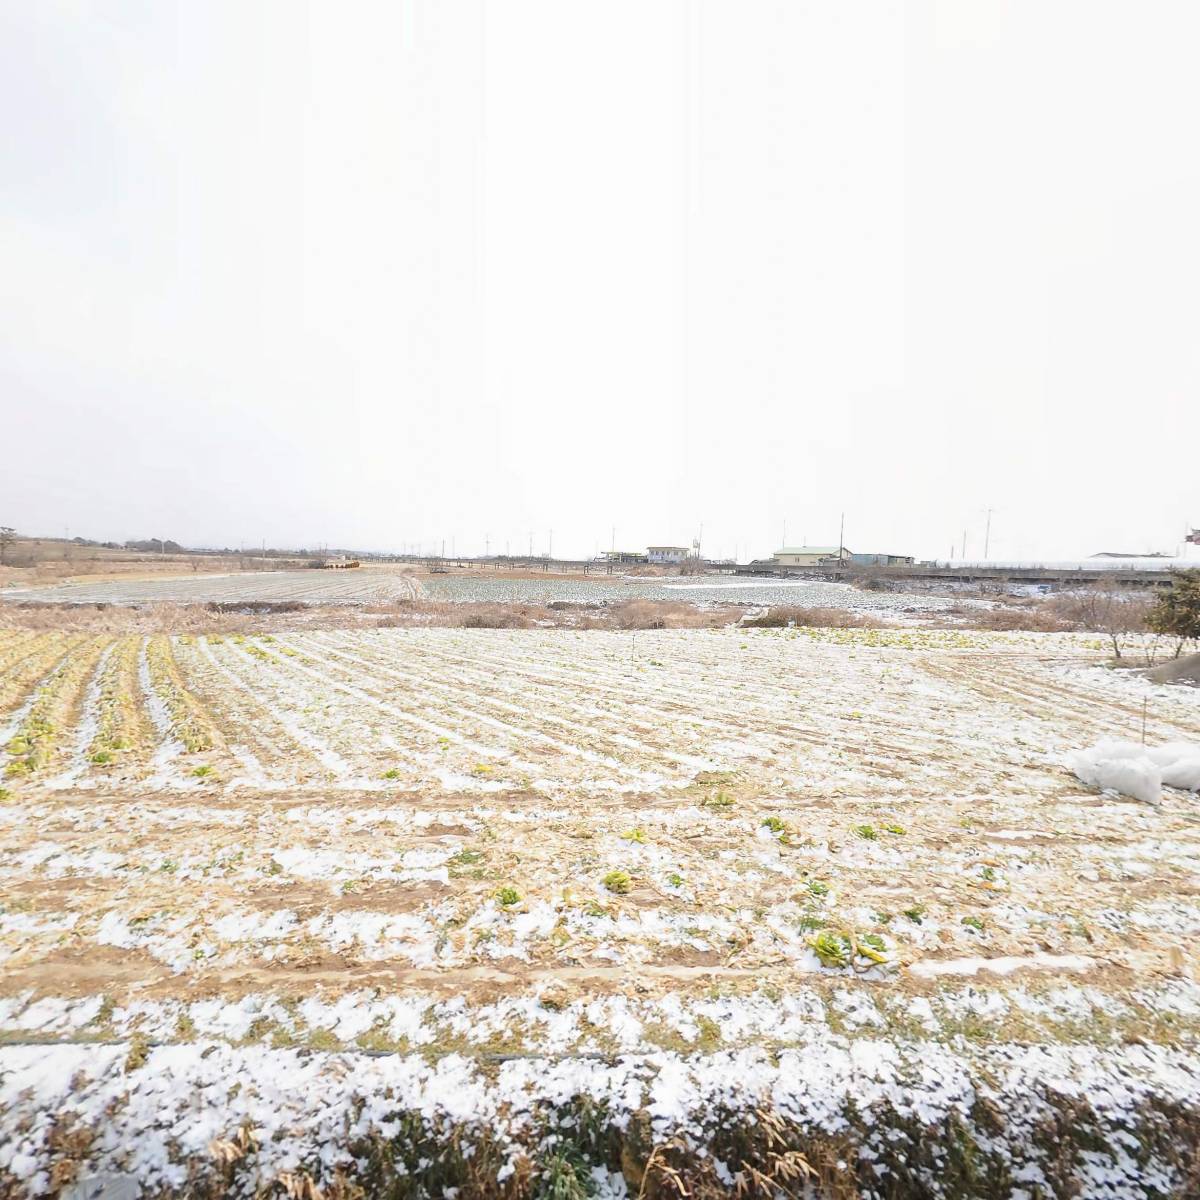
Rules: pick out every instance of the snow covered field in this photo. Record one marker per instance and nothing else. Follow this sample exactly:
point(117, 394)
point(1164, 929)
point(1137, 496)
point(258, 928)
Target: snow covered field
point(588, 904)
point(708, 589)
point(306, 587)
point(368, 586)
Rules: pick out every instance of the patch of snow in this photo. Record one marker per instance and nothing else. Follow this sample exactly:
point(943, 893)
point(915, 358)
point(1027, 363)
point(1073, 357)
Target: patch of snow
point(928, 968)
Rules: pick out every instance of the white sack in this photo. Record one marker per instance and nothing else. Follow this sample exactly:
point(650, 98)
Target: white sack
point(1180, 765)
point(1123, 767)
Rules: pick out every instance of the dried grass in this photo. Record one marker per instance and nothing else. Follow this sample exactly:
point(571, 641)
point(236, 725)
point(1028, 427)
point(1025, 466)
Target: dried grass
point(784, 615)
point(112, 618)
point(1031, 619)
point(31, 564)
point(1110, 610)
point(666, 614)
point(266, 617)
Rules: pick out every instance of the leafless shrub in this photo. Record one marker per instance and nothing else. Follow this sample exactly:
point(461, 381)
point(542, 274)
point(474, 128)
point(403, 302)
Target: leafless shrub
point(255, 607)
point(404, 613)
point(783, 616)
point(1029, 618)
point(638, 614)
point(497, 617)
point(666, 614)
point(1104, 607)
point(871, 579)
point(875, 583)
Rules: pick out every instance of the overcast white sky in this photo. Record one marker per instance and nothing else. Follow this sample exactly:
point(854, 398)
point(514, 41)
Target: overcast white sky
point(379, 274)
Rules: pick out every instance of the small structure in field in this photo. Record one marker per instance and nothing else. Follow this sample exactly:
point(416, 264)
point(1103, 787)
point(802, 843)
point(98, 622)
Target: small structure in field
point(809, 556)
point(624, 556)
point(339, 562)
point(667, 554)
point(881, 560)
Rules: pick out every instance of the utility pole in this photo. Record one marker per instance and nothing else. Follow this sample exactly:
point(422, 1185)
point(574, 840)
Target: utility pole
point(842, 538)
point(487, 545)
point(550, 552)
point(531, 543)
point(987, 534)
point(964, 545)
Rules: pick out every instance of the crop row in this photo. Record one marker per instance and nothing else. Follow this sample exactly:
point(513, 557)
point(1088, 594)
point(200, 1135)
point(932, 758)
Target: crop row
point(37, 741)
point(187, 721)
point(749, 881)
point(606, 713)
point(26, 661)
point(120, 721)
point(547, 1021)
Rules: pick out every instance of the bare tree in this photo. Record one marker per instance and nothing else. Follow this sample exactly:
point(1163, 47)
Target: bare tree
point(8, 535)
point(1105, 607)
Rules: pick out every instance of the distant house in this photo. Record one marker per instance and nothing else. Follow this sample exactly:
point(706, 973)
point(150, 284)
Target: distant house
point(667, 554)
point(882, 560)
point(807, 556)
point(624, 556)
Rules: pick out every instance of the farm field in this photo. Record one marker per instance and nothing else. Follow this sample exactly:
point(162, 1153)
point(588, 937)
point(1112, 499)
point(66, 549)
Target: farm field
point(277, 906)
point(690, 589)
point(701, 590)
point(367, 586)
point(305, 587)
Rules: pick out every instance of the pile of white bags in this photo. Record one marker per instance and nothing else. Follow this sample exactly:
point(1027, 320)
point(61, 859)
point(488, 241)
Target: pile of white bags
point(1138, 771)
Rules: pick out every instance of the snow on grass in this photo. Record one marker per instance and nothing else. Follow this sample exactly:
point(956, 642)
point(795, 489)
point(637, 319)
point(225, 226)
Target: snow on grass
point(158, 1118)
point(1002, 966)
point(548, 1020)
